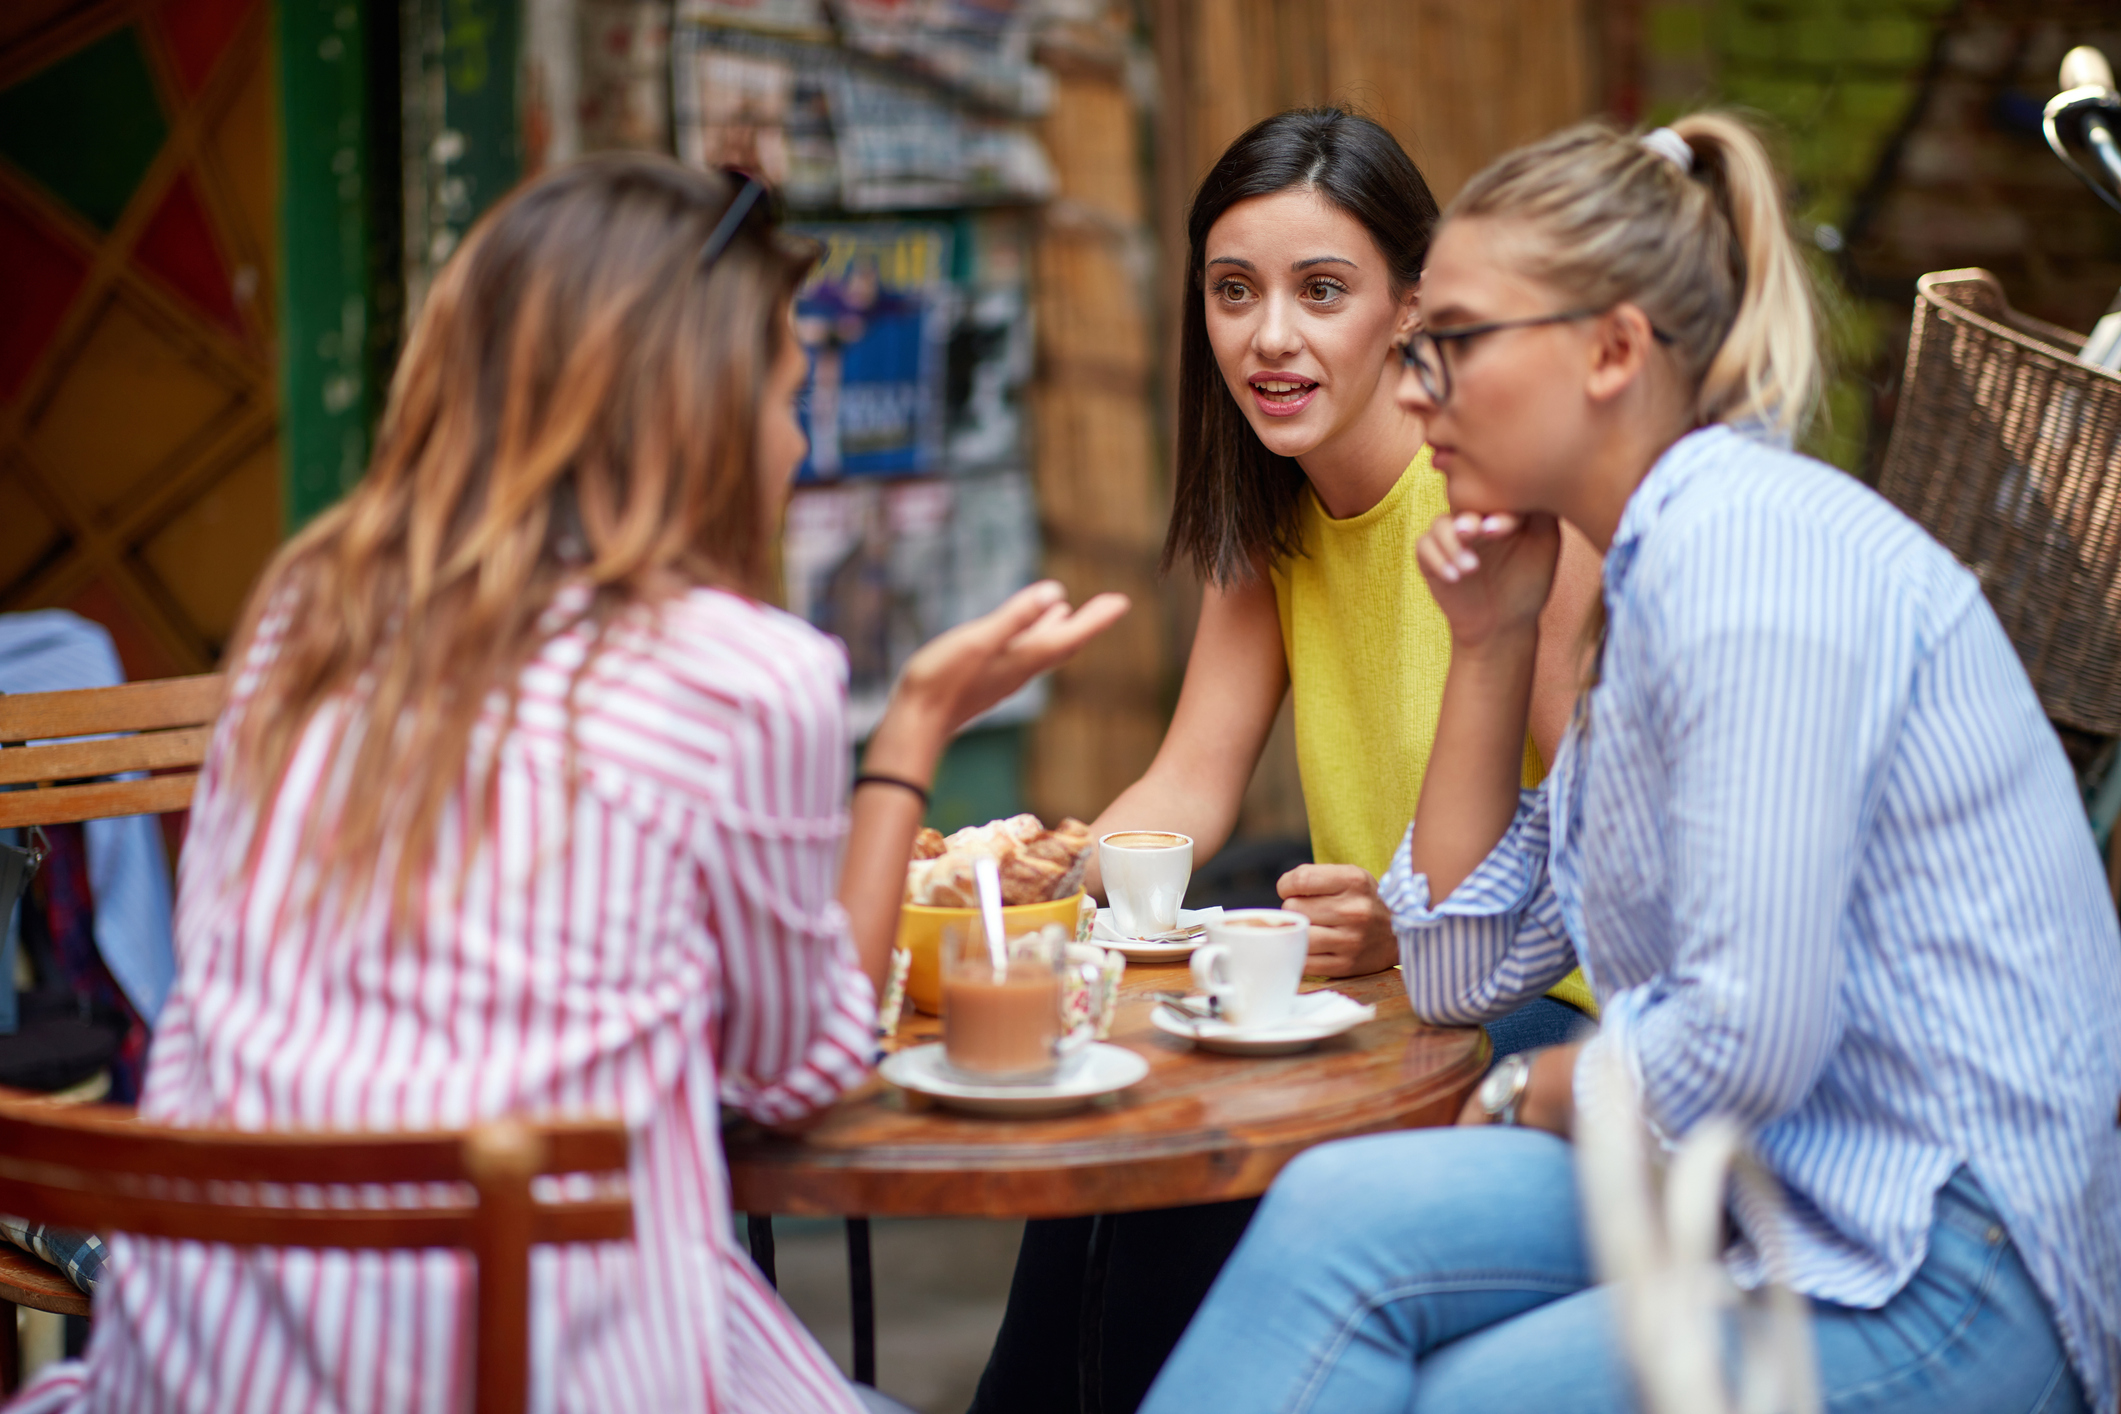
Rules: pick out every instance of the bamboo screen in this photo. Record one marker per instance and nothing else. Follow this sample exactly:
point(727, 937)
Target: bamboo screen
point(1100, 481)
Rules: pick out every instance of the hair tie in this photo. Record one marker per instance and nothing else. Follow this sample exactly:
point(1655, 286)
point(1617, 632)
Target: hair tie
point(1670, 146)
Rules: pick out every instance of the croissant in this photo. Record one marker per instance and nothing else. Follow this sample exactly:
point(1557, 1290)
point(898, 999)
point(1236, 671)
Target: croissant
point(943, 882)
point(1063, 844)
point(1028, 879)
point(1036, 864)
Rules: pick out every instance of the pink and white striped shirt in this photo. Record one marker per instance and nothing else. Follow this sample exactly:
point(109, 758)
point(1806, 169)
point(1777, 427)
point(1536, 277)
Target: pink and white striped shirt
point(670, 941)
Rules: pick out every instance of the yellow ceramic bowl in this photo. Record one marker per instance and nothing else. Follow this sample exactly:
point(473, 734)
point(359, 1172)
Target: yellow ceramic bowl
point(920, 932)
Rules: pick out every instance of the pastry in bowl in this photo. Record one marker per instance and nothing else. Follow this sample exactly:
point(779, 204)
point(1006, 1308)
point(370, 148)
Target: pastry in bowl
point(1042, 882)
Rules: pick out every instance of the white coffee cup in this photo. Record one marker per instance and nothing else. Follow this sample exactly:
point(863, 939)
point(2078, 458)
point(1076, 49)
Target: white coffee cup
point(1145, 872)
point(1251, 963)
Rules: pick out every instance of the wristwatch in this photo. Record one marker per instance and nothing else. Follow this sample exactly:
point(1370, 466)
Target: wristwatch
point(1504, 1087)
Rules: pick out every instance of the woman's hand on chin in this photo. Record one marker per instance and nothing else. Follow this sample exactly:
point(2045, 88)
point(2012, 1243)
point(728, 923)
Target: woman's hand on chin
point(1490, 574)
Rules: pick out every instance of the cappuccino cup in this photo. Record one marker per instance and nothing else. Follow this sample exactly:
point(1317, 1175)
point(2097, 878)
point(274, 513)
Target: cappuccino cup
point(1145, 872)
point(1251, 964)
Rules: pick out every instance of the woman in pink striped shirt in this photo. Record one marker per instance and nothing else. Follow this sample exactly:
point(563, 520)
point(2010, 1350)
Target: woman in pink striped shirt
point(524, 802)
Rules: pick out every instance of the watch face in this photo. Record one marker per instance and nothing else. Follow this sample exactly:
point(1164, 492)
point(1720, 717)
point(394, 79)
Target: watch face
point(1495, 1089)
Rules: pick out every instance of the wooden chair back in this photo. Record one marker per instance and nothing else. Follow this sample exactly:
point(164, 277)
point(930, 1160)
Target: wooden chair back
point(167, 724)
point(97, 1168)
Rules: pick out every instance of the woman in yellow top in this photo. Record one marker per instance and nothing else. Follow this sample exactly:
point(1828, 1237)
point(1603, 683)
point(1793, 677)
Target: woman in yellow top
point(1302, 488)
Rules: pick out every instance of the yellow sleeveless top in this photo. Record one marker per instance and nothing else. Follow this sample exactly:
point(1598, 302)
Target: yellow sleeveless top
point(1367, 649)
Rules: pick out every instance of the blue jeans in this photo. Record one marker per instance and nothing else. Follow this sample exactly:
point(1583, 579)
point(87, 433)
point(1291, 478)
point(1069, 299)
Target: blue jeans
point(1445, 1270)
point(1541, 1021)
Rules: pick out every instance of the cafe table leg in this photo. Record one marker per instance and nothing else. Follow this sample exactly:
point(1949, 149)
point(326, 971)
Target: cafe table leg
point(861, 1289)
point(759, 1228)
point(10, 1351)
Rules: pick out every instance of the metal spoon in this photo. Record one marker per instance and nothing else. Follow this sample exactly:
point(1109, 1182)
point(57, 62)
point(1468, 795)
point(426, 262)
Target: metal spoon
point(1199, 1008)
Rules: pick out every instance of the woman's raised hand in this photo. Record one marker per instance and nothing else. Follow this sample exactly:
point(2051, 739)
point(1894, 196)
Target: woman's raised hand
point(952, 679)
point(1490, 574)
point(959, 674)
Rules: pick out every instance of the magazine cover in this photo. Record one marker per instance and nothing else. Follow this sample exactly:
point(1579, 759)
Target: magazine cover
point(624, 95)
point(758, 103)
point(875, 318)
point(802, 17)
point(979, 48)
point(992, 347)
point(885, 566)
point(902, 144)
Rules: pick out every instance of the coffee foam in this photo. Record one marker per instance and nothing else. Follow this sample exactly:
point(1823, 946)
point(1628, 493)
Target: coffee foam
point(1146, 839)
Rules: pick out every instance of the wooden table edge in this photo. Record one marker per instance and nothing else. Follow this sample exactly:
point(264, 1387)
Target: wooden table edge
point(784, 1177)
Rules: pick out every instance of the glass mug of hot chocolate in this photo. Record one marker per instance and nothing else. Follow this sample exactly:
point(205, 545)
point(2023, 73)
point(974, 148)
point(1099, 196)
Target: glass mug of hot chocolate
point(1145, 873)
point(1012, 1027)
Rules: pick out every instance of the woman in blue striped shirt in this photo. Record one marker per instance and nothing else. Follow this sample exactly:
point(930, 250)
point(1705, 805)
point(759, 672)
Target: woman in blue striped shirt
point(1810, 837)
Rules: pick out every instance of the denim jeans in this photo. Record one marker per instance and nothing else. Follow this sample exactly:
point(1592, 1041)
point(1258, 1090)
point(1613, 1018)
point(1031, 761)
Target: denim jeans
point(1541, 1021)
point(1445, 1270)
point(1098, 1304)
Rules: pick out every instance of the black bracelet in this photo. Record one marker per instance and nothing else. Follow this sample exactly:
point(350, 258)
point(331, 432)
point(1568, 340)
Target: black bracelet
point(870, 778)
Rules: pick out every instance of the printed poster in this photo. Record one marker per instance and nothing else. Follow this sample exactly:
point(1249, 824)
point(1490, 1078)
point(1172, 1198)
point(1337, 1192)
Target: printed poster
point(875, 318)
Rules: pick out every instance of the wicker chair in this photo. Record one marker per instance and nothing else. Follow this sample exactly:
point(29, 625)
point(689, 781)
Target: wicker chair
point(2008, 450)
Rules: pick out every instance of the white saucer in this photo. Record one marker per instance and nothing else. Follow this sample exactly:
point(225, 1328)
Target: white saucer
point(1099, 1070)
point(1138, 950)
point(1315, 1016)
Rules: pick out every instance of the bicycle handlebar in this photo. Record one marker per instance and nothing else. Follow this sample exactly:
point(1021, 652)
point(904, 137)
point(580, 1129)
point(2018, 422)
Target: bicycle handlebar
point(2087, 101)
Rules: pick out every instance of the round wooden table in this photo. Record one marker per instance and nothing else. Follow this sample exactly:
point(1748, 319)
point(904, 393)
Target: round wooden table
point(1199, 1128)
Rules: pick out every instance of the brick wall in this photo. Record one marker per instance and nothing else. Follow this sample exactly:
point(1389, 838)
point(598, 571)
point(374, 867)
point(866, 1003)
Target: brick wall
point(1909, 130)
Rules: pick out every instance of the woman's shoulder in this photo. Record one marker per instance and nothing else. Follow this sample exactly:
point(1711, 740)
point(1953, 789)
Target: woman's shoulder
point(706, 615)
point(678, 693)
point(713, 654)
point(1742, 508)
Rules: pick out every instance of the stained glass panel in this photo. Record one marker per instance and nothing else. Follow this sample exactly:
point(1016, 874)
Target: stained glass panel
point(129, 402)
point(198, 31)
point(39, 276)
point(209, 555)
point(178, 245)
point(87, 127)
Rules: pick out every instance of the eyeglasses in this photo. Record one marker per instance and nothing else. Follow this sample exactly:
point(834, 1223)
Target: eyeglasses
point(1425, 349)
point(748, 197)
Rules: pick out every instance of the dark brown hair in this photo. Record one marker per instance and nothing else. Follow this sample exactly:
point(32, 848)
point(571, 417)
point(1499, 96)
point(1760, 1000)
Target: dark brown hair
point(577, 403)
point(1235, 502)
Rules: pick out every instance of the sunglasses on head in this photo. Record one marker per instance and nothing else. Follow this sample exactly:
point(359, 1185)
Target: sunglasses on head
point(752, 195)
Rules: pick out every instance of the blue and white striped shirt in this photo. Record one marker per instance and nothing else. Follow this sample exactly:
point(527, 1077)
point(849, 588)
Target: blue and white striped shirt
point(1824, 864)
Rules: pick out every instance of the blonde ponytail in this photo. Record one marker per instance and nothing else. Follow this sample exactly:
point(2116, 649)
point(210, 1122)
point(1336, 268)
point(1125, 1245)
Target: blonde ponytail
point(1767, 367)
point(1704, 250)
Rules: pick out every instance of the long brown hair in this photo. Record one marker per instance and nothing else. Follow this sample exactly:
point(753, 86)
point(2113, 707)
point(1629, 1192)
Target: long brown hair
point(576, 404)
point(1234, 502)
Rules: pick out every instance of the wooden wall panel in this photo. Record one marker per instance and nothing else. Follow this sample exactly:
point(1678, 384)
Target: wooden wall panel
point(1458, 82)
